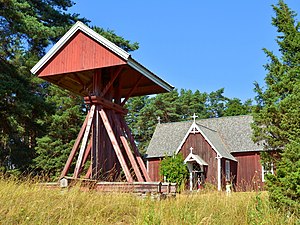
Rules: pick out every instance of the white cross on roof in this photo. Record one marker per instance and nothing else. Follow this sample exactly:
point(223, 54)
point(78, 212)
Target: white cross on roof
point(194, 117)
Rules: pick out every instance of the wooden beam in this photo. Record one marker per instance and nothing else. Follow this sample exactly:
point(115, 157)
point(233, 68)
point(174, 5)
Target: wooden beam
point(132, 90)
point(105, 104)
point(61, 80)
point(135, 149)
point(118, 89)
point(88, 173)
point(84, 142)
point(127, 149)
point(79, 80)
point(110, 83)
point(96, 145)
point(88, 86)
point(75, 147)
point(87, 153)
point(74, 79)
point(62, 85)
point(97, 82)
point(115, 145)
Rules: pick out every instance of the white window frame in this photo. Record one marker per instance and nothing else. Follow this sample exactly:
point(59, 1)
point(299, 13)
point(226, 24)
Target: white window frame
point(266, 171)
point(227, 170)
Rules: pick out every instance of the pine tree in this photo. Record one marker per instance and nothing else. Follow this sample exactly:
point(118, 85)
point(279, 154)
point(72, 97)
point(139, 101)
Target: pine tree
point(54, 148)
point(276, 117)
point(27, 28)
point(190, 103)
point(235, 107)
point(162, 106)
point(216, 102)
point(17, 128)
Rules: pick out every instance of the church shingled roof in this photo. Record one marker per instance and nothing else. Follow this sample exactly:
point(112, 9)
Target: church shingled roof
point(227, 134)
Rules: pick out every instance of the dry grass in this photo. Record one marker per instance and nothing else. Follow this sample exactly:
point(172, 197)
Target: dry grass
point(27, 203)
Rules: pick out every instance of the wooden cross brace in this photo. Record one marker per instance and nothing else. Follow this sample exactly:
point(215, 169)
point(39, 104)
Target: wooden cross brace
point(93, 144)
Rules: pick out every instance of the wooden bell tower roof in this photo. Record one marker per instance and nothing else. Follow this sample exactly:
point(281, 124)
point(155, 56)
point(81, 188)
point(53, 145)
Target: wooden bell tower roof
point(73, 60)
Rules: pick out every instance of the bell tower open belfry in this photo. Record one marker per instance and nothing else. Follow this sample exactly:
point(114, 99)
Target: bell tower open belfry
point(106, 76)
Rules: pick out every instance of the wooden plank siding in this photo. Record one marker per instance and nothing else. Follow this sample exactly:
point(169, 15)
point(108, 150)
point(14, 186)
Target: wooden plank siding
point(78, 54)
point(153, 166)
point(249, 170)
point(202, 148)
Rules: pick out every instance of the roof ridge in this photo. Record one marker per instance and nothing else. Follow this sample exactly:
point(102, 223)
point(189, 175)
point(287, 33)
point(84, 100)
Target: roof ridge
point(222, 117)
point(213, 118)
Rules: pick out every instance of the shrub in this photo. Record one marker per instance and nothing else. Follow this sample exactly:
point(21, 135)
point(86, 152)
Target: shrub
point(174, 169)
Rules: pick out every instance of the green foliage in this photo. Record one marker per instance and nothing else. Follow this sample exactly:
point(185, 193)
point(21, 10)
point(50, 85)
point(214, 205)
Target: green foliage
point(235, 107)
point(32, 25)
point(216, 103)
point(284, 187)
point(140, 128)
point(54, 148)
point(276, 117)
point(190, 103)
point(19, 115)
point(174, 169)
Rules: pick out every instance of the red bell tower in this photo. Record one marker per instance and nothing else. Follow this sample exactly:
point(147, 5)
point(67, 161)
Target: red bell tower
point(106, 76)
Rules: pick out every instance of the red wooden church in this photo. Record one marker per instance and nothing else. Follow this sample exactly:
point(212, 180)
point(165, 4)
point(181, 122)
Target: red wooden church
point(87, 64)
point(216, 150)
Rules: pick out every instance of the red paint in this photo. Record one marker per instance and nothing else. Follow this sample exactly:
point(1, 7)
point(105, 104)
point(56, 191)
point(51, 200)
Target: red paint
point(153, 169)
point(249, 170)
point(78, 54)
point(202, 148)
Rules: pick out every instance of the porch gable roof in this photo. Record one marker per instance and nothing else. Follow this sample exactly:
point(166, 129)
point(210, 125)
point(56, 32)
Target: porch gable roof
point(193, 157)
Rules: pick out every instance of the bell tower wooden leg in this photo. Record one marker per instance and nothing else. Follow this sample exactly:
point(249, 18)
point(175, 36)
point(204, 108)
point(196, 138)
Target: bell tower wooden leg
point(127, 148)
point(135, 149)
point(115, 145)
point(84, 142)
point(96, 148)
point(88, 173)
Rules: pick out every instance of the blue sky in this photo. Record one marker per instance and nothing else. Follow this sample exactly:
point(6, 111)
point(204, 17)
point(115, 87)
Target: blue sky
point(193, 44)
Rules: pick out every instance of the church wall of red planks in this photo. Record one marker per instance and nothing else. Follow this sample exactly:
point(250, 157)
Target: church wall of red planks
point(153, 166)
point(249, 170)
point(203, 149)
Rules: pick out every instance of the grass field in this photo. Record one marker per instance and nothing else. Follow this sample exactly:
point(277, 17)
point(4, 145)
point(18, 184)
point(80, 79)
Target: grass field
point(29, 203)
